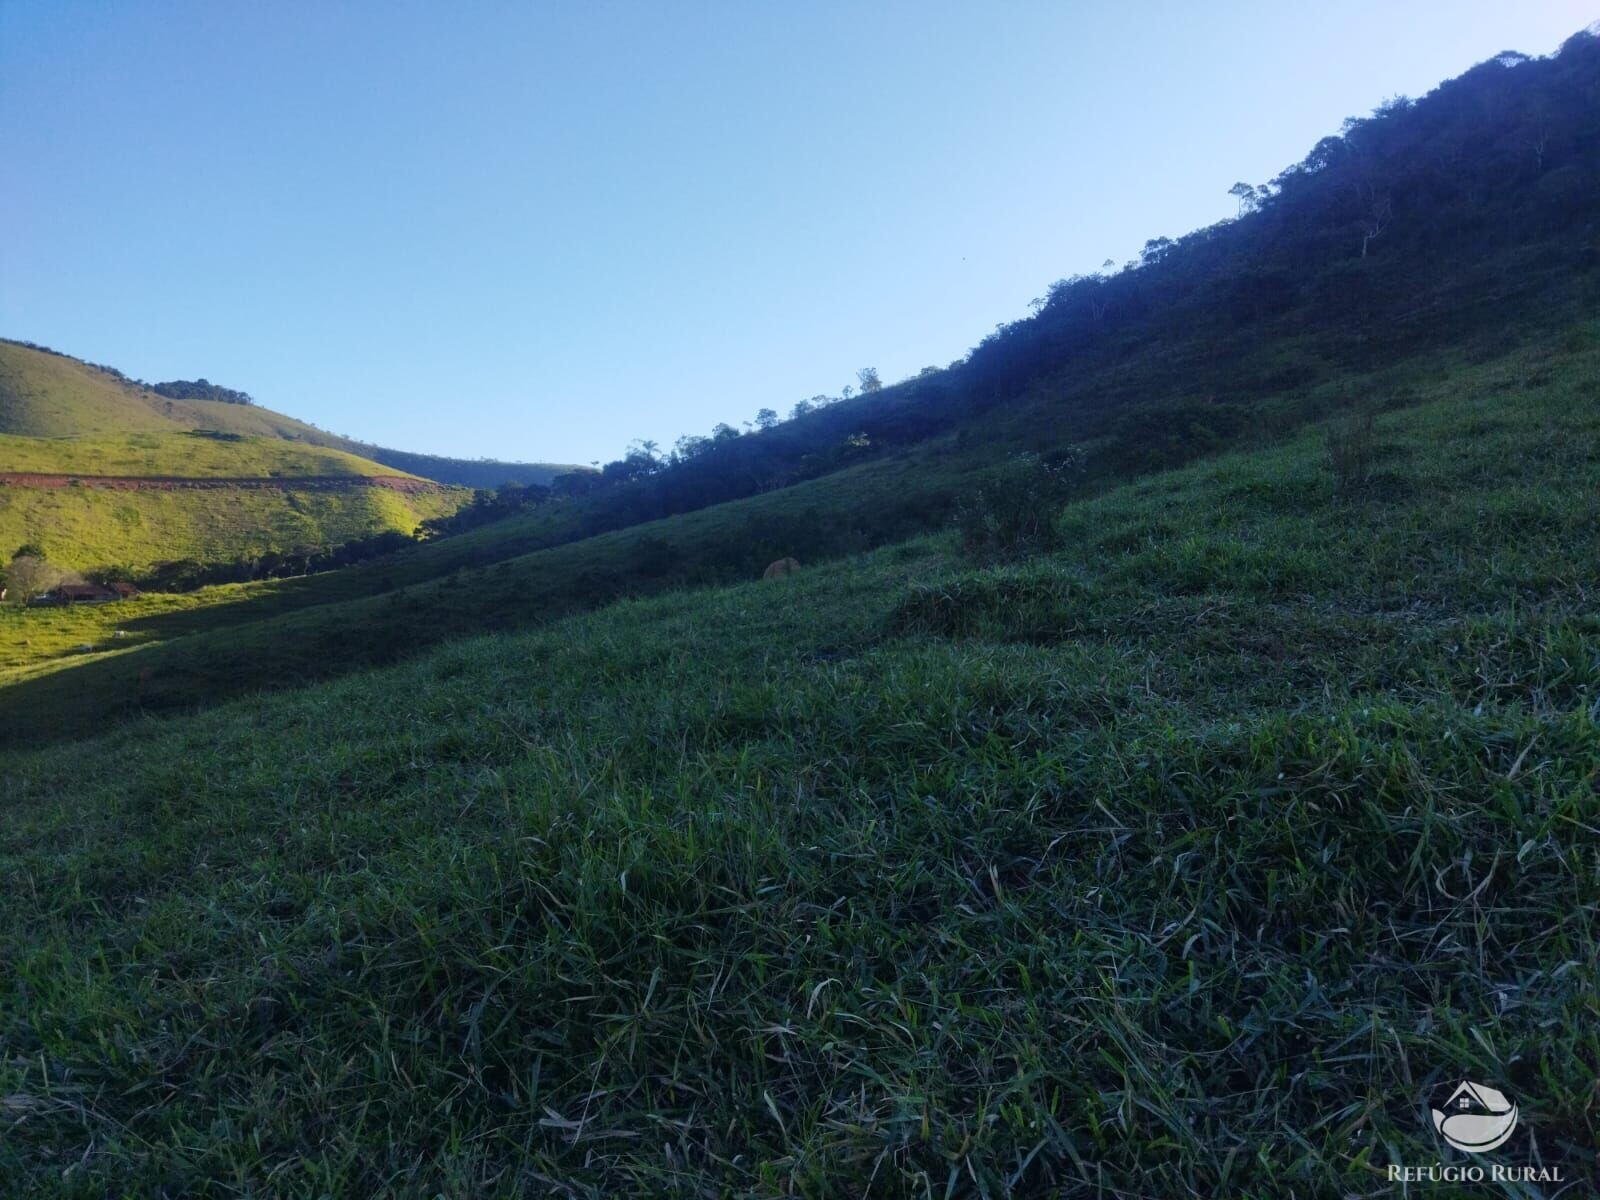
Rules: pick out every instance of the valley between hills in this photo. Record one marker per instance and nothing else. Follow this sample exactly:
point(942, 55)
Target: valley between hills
point(1155, 755)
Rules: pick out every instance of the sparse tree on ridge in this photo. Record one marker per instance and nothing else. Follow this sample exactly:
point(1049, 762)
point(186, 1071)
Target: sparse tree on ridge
point(766, 418)
point(868, 377)
point(1379, 210)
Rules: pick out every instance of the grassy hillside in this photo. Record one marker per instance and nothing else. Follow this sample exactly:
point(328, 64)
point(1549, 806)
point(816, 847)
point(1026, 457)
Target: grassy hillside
point(1194, 855)
point(84, 528)
point(44, 394)
point(185, 455)
point(50, 395)
point(1464, 218)
point(1188, 860)
point(65, 418)
point(516, 573)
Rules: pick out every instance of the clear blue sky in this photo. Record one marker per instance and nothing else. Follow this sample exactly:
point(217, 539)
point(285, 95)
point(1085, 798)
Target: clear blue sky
point(540, 231)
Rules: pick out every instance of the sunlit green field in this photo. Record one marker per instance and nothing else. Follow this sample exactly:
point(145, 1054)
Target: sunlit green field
point(189, 455)
point(1185, 861)
point(38, 638)
point(85, 528)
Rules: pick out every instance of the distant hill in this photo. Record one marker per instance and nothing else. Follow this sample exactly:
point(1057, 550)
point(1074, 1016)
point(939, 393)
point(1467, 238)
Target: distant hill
point(131, 502)
point(44, 393)
point(102, 474)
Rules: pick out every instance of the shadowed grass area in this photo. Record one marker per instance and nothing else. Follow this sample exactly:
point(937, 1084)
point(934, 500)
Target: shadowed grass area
point(1185, 861)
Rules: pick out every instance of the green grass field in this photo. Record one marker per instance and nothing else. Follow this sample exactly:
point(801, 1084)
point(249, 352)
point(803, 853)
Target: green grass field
point(184, 455)
point(1185, 861)
point(81, 528)
point(42, 639)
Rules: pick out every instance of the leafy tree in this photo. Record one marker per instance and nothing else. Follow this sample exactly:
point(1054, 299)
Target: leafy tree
point(690, 447)
point(112, 573)
point(31, 575)
point(868, 378)
point(200, 389)
point(766, 418)
point(575, 483)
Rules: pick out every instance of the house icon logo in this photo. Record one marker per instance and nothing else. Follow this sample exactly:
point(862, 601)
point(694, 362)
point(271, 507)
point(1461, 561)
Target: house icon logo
point(1475, 1118)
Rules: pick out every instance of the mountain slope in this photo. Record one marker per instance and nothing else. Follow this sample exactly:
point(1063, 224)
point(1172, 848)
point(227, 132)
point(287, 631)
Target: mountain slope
point(515, 574)
point(129, 526)
point(47, 394)
point(1429, 222)
point(105, 476)
point(1064, 878)
point(52, 396)
point(272, 485)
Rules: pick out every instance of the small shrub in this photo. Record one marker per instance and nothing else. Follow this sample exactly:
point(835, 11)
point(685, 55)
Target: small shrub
point(1012, 513)
point(1352, 449)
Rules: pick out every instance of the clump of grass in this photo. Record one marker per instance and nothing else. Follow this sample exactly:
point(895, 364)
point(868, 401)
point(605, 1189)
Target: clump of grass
point(1012, 513)
point(1030, 603)
point(1352, 445)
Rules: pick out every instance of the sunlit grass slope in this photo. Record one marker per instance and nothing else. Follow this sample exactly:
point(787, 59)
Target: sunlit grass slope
point(1184, 862)
point(49, 395)
point(61, 417)
point(183, 455)
point(82, 527)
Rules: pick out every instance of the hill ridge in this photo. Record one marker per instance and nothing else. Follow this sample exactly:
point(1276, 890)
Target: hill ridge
point(45, 392)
